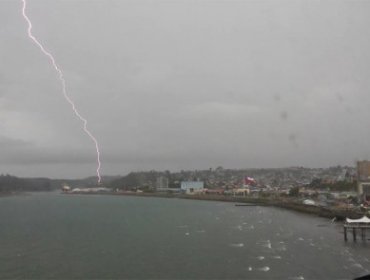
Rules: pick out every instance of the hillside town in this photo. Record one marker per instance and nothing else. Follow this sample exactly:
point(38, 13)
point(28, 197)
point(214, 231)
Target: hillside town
point(339, 187)
point(249, 181)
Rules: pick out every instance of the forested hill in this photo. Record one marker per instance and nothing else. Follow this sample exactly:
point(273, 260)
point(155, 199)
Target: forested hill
point(10, 183)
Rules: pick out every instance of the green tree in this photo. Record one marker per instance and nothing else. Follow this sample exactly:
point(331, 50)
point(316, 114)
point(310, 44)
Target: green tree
point(294, 192)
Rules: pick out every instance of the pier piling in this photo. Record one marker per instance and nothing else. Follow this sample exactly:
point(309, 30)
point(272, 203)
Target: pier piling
point(355, 227)
point(354, 234)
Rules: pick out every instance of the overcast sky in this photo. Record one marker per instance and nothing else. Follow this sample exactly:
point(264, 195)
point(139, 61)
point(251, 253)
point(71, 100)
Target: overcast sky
point(184, 85)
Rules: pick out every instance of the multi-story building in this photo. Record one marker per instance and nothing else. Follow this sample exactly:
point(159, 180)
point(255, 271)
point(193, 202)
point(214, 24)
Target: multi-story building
point(363, 179)
point(162, 182)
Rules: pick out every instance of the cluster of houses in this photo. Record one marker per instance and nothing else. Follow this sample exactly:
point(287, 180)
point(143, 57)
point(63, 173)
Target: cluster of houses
point(269, 182)
point(197, 187)
point(289, 181)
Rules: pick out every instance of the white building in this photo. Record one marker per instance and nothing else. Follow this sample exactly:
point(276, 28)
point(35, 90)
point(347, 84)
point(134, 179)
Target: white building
point(241, 191)
point(66, 188)
point(192, 187)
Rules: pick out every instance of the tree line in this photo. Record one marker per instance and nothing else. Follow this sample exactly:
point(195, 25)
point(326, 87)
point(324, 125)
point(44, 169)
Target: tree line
point(9, 183)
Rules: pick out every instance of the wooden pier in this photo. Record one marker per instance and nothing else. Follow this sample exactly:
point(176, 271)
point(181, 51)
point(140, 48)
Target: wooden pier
point(358, 230)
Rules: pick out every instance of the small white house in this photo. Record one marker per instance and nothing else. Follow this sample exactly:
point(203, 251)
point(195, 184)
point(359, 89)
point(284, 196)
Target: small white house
point(192, 187)
point(241, 191)
point(66, 188)
point(309, 202)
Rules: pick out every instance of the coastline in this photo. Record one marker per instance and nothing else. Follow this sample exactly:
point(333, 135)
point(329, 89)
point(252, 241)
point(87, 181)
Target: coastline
point(339, 214)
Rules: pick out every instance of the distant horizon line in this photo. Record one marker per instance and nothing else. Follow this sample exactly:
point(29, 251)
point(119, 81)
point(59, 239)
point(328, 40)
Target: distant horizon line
point(178, 171)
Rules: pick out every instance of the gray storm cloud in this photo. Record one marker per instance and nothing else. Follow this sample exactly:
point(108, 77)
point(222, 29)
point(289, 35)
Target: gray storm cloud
point(184, 85)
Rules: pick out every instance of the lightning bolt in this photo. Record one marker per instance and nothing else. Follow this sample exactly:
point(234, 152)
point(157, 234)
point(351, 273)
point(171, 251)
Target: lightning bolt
point(64, 88)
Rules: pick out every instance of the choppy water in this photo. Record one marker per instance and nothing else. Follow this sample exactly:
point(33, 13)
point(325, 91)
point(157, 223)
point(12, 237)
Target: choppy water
point(64, 236)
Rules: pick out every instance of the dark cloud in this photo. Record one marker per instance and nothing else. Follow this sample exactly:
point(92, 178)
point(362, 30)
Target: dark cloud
point(20, 152)
point(184, 84)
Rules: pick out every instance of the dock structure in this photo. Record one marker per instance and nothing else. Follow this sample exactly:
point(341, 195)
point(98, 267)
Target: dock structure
point(357, 226)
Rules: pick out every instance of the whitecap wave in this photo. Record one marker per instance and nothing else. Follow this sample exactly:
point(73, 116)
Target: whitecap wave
point(237, 245)
point(265, 268)
point(265, 243)
point(357, 265)
point(281, 248)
